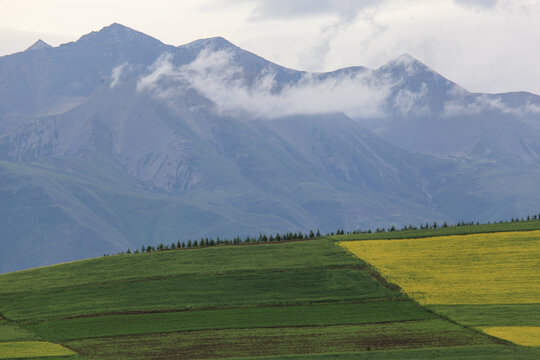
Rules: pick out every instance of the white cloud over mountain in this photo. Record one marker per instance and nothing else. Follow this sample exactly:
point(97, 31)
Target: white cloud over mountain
point(215, 76)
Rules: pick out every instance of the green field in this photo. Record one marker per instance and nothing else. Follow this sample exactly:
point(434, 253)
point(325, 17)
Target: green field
point(294, 255)
point(281, 341)
point(297, 300)
point(301, 315)
point(12, 332)
point(254, 288)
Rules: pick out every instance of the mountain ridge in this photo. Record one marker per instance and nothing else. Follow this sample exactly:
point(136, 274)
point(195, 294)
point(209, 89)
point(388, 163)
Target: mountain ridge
point(117, 139)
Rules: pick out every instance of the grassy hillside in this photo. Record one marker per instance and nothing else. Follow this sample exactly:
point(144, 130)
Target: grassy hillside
point(294, 300)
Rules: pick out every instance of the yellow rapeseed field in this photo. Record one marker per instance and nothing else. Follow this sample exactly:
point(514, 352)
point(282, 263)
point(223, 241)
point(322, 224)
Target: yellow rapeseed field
point(29, 349)
point(520, 335)
point(494, 268)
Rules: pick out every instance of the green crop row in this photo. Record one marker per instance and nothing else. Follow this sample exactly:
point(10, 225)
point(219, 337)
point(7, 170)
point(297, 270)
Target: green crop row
point(302, 315)
point(214, 344)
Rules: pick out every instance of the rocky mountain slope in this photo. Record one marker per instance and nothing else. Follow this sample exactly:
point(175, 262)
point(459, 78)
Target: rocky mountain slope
point(117, 139)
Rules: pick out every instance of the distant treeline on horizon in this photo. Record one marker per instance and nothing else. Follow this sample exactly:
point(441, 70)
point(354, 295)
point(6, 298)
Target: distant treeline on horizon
point(298, 236)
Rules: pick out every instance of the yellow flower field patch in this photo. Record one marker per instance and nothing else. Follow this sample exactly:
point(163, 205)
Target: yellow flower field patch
point(488, 269)
point(520, 335)
point(493, 268)
point(29, 349)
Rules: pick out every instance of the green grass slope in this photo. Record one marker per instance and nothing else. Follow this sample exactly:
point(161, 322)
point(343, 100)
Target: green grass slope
point(297, 300)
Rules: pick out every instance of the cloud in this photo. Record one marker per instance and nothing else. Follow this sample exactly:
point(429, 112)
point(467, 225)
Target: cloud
point(477, 4)
point(337, 17)
point(532, 108)
point(116, 74)
point(291, 9)
point(161, 68)
point(215, 76)
point(359, 94)
point(410, 102)
point(484, 103)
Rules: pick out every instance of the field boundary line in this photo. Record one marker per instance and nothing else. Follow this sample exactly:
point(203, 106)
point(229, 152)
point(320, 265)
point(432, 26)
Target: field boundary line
point(374, 273)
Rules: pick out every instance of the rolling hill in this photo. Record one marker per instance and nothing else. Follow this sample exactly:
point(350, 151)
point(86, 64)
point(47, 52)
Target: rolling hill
point(308, 299)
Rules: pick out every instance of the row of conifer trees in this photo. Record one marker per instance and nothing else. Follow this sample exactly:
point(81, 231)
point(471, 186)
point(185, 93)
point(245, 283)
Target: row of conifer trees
point(296, 236)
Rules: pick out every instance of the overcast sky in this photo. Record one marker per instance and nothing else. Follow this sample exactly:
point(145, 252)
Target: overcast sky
point(483, 45)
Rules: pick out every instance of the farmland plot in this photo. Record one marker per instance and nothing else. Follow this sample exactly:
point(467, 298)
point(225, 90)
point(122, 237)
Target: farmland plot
point(303, 300)
point(480, 280)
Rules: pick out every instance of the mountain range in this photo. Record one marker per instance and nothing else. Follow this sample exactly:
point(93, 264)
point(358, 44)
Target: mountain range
point(118, 140)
